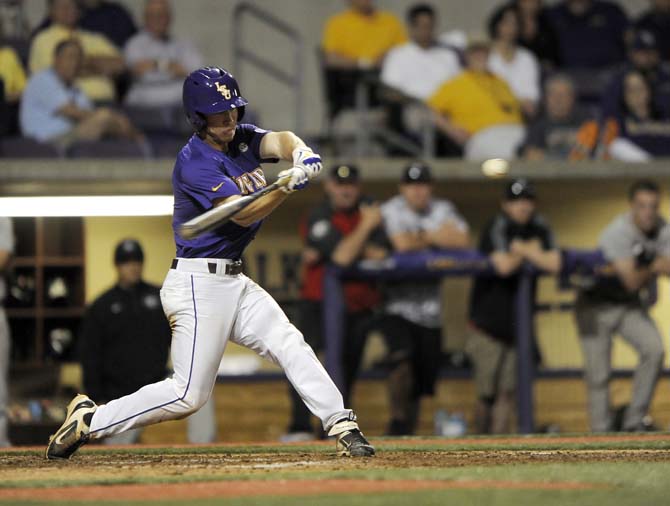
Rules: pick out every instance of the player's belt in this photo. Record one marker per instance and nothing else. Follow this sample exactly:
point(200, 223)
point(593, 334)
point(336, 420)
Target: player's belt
point(229, 268)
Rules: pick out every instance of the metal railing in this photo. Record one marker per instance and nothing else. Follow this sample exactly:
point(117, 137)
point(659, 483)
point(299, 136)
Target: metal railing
point(424, 149)
point(437, 264)
point(293, 78)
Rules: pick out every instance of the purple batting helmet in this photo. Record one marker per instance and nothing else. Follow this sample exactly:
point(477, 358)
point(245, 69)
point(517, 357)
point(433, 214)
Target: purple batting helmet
point(211, 90)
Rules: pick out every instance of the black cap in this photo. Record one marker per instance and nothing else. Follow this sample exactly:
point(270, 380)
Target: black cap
point(520, 189)
point(644, 39)
point(345, 173)
point(128, 250)
point(418, 172)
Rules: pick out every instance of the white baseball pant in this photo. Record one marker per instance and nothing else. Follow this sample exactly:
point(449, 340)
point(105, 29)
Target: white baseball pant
point(205, 311)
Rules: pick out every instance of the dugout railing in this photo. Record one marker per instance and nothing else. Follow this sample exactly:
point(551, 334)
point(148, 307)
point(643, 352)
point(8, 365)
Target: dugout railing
point(578, 266)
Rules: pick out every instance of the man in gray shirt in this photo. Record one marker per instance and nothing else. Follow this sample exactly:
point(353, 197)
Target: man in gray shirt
point(637, 246)
point(6, 250)
point(158, 61)
point(415, 221)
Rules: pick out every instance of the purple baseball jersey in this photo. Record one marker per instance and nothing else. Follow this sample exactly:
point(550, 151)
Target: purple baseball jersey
point(202, 175)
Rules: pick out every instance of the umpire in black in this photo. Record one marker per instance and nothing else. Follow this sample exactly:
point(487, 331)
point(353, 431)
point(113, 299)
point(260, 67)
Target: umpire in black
point(125, 336)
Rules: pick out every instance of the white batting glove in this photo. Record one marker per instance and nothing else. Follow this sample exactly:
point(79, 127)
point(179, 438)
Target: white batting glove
point(298, 179)
point(308, 160)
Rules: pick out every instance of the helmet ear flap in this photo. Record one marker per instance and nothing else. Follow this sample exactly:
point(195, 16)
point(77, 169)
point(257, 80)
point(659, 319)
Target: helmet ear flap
point(240, 113)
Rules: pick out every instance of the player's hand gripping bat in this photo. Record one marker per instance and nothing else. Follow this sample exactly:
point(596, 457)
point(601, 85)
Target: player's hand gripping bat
point(222, 214)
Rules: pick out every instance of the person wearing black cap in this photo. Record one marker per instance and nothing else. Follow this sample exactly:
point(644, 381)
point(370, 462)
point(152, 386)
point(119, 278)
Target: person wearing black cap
point(415, 221)
point(342, 229)
point(516, 235)
point(125, 336)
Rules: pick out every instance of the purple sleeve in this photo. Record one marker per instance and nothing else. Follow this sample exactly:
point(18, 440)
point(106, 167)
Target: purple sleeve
point(252, 136)
point(207, 184)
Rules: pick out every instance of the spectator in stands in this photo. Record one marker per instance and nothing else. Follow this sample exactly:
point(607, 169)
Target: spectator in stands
point(516, 65)
point(536, 33)
point(640, 132)
point(102, 61)
point(477, 110)
point(341, 230)
point(422, 57)
point(360, 37)
point(516, 235)
point(553, 134)
point(110, 19)
point(12, 83)
point(591, 33)
point(643, 56)
point(158, 61)
point(637, 246)
point(657, 21)
point(55, 110)
point(415, 221)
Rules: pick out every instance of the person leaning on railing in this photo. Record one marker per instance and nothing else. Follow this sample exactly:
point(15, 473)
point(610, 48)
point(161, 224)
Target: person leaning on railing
point(416, 221)
point(515, 236)
point(637, 244)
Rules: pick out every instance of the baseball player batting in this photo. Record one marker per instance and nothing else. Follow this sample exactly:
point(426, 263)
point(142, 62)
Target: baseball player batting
point(205, 296)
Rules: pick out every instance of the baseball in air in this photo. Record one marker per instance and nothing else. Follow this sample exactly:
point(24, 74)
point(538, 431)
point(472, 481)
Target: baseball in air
point(495, 167)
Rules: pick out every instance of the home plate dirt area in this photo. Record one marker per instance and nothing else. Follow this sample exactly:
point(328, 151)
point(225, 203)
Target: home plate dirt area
point(608, 467)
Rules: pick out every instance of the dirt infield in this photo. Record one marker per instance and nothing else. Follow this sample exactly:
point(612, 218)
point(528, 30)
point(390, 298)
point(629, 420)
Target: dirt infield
point(90, 474)
point(229, 489)
point(224, 471)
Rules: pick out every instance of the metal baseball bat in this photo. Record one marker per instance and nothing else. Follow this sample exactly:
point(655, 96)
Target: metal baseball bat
point(222, 214)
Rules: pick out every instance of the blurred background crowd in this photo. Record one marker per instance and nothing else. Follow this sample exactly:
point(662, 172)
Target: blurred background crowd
point(565, 80)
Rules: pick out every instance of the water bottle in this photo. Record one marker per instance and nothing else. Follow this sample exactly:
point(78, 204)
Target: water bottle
point(455, 426)
point(441, 420)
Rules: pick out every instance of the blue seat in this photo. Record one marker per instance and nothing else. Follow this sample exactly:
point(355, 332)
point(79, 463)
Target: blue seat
point(25, 147)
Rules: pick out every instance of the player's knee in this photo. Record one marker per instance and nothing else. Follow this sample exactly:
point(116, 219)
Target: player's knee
point(597, 378)
point(194, 399)
point(653, 353)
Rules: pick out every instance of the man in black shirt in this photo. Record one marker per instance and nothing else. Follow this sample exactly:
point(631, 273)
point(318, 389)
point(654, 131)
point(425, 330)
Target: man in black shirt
point(515, 236)
point(125, 336)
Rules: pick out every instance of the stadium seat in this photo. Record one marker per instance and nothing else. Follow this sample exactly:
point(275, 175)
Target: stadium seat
point(116, 148)
point(24, 147)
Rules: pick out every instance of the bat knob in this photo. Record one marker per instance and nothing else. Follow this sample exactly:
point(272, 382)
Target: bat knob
point(186, 232)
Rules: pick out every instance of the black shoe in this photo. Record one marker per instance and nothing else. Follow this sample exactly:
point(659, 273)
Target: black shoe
point(350, 440)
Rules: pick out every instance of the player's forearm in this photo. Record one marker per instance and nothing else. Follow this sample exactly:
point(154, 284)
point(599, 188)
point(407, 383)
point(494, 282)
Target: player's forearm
point(631, 276)
point(549, 261)
point(259, 209)
point(409, 241)
point(449, 237)
point(351, 246)
point(280, 145)
point(506, 264)
point(635, 279)
point(661, 265)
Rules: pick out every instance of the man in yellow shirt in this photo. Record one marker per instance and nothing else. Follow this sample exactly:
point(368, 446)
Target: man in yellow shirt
point(102, 61)
point(360, 36)
point(477, 110)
